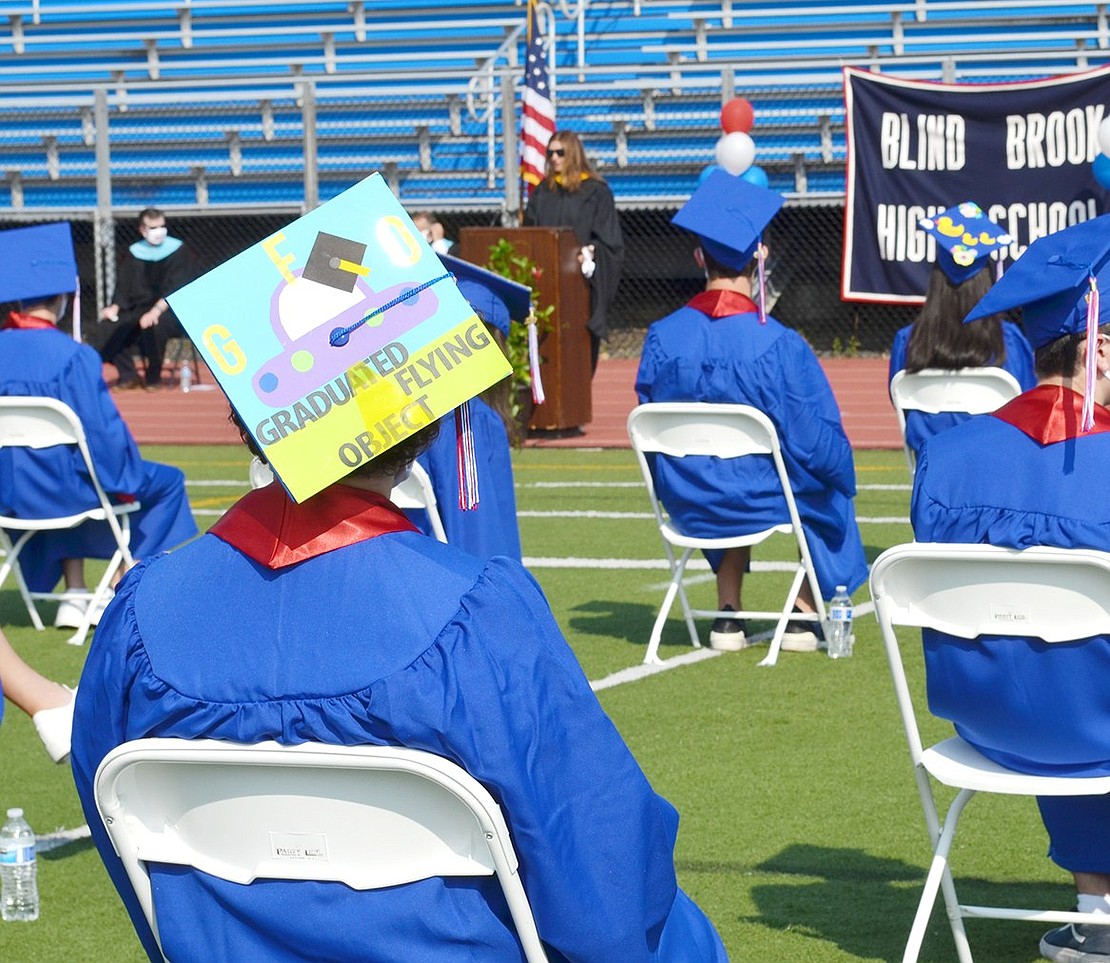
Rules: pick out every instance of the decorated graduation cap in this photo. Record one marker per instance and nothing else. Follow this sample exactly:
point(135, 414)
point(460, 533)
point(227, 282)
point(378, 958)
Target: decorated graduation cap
point(38, 262)
point(1057, 282)
point(965, 238)
point(729, 215)
point(499, 300)
point(339, 336)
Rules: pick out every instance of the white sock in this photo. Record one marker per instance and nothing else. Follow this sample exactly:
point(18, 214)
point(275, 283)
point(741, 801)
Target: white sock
point(1094, 903)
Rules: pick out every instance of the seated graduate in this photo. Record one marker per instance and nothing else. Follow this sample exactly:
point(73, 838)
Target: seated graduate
point(490, 528)
point(1033, 473)
point(722, 347)
point(939, 338)
point(36, 359)
point(334, 620)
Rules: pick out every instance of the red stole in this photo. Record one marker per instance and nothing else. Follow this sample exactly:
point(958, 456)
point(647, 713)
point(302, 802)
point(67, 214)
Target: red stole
point(26, 322)
point(722, 304)
point(269, 527)
point(1050, 413)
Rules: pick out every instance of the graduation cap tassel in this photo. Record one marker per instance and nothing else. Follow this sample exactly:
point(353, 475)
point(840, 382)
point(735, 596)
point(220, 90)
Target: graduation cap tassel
point(762, 283)
point(1087, 421)
point(77, 308)
point(534, 361)
point(467, 460)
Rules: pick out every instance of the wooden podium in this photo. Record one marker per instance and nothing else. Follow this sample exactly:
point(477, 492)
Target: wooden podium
point(565, 348)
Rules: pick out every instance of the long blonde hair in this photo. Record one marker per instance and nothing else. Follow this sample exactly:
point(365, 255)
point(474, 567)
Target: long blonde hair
point(576, 168)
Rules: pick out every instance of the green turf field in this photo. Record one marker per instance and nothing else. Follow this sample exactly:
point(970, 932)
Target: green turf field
point(801, 833)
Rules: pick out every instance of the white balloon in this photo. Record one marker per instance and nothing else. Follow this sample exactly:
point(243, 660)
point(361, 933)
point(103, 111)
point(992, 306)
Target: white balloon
point(735, 152)
point(1104, 136)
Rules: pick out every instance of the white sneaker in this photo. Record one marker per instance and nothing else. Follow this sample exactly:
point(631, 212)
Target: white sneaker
point(72, 611)
point(55, 726)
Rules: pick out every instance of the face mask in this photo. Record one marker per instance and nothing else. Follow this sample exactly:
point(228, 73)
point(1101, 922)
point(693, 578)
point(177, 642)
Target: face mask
point(65, 306)
point(156, 235)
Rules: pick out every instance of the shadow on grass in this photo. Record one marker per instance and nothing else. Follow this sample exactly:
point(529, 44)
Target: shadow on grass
point(627, 621)
point(865, 905)
point(67, 850)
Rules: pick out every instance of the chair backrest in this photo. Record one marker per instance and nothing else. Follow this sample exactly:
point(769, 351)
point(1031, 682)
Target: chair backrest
point(415, 491)
point(681, 429)
point(1054, 594)
point(974, 391)
point(368, 816)
point(41, 422)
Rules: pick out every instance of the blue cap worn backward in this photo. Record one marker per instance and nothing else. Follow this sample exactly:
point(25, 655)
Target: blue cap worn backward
point(495, 298)
point(729, 215)
point(1051, 281)
point(965, 238)
point(37, 262)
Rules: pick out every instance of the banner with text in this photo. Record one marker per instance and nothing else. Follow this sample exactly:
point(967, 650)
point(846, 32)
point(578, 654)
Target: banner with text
point(338, 336)
point(1022, 151)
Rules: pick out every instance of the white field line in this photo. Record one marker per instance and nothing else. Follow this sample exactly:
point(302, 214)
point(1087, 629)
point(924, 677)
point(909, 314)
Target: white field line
point(640, 484)
point(45, 842)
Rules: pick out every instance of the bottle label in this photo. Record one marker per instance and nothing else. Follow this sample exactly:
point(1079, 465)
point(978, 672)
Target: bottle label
point(840, 613)
point(17, 855)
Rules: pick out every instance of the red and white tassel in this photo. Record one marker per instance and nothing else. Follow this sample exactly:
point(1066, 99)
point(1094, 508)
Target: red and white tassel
point(762, 284)
point(534, 361)
point(1087, 421)
point(466, 459)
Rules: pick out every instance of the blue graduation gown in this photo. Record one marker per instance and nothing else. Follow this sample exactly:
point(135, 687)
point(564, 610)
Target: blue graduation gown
point(691, 356)
point(1038, 708)
point(387, 639)
point(920, 426)
point(47, 362)
point(491, 528)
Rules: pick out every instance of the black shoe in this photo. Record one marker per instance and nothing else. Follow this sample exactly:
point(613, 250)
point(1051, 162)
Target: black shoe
point(803, 636)
point(1077, 943)
point(728, 635)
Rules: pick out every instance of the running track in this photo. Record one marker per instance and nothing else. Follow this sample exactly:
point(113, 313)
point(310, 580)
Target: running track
point(170, 417)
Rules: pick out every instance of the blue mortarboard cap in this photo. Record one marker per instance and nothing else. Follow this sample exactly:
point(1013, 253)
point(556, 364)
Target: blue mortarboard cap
point(497, 299)
point(729, 215)
point(965, 238)
point(38, 262)
point(1051, 281)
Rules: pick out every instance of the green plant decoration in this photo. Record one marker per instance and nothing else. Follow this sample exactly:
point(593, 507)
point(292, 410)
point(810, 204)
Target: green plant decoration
point(504, 260)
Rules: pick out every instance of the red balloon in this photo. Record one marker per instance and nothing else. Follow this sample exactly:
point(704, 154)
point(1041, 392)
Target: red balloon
point(737, 115)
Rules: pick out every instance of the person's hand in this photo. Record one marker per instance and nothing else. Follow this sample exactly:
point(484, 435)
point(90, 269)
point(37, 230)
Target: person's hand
point(586, 259)
point(110, 313)
point(150, 318)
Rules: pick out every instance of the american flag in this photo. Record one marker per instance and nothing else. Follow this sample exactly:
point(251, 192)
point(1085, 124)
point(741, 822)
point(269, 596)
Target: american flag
point(539, 111)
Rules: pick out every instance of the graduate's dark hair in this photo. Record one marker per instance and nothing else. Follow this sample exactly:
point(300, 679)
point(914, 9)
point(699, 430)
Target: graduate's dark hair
point(716, 271)
point(390, 462)
point(940, 339)
point(1060, 358)
point(150, 214)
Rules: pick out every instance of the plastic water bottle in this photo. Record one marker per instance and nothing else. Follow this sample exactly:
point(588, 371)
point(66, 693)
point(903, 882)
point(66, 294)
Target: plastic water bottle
point(186, 377)
point(839, 633)
point(20, 897)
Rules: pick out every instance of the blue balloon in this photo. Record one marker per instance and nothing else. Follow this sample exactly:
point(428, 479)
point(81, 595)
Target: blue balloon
point(758, 176)
point(709, 170)
point(1101, 169)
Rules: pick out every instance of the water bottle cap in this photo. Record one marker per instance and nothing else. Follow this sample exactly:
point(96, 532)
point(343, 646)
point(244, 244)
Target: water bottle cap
point(15, 813)
point(842, 588)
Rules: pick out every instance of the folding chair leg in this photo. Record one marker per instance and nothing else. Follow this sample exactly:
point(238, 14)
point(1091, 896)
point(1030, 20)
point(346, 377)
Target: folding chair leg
point(939, 874)
point(78, 637)
point(780, 629)
point(688, 614)
point(651, 657)
point(11, 564)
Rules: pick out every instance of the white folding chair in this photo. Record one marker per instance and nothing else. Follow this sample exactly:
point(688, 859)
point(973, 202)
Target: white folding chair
point(966, 591)
point(36, 423)
point(368, 816)
point(975, 391)
point(682, 429)
point(414, 492)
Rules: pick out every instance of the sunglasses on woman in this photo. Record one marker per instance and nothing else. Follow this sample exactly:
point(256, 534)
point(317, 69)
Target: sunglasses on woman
point(556, 152)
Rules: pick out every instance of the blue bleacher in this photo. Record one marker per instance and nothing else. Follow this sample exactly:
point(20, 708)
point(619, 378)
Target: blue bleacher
point(203, 100)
